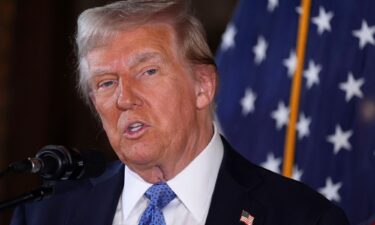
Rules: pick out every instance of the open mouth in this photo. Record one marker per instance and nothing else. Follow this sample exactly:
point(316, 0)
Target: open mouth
point(135, 130)
point(134, 127)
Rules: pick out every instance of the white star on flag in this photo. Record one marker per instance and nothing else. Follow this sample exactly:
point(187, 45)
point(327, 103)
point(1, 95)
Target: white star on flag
point(247, 102)
point(259, 50)
point(312, 74)
point(365, 35)
point(299, 10)
point(303, 126)
point(352, 87)
point(272, 163)
point(340, 139)
point(323, 20)
point(297, 173)
point(272, 4)
point(291, 63)
point(228, 37)
point(335, 120)
point(281, 115)
point(331, 190)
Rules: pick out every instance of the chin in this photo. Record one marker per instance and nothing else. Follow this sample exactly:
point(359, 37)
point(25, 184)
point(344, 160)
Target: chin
point(137, 158)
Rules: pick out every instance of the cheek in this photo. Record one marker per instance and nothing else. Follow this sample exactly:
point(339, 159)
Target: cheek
point(108, 116)
point(105, 108)
point(176, 106)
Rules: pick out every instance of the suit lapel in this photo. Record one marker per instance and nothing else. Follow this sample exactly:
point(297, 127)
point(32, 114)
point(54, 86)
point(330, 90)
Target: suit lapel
point(101, 198)
point(236, 180)
point(233, 194)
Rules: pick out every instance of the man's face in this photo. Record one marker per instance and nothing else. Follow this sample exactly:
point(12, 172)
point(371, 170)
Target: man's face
point(150, 99)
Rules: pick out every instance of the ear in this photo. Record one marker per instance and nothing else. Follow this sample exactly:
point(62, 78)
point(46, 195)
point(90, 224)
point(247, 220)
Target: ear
point(205, 85)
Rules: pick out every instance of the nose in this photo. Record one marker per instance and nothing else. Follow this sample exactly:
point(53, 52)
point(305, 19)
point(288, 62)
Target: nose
point(127, 97)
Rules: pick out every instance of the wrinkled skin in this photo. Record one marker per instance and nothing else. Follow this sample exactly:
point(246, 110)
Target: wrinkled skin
point(154, 105)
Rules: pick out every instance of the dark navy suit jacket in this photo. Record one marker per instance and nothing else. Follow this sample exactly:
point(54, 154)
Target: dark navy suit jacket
point(270, 198)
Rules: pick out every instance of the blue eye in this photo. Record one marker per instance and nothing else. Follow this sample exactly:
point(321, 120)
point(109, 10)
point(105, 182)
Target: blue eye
point(151, 72)
point(106, 84)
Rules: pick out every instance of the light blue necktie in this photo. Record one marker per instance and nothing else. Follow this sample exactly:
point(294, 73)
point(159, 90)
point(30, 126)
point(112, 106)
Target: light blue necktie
point(160, 195)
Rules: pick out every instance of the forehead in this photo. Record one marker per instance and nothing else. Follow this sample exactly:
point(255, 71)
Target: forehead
point(129, 47)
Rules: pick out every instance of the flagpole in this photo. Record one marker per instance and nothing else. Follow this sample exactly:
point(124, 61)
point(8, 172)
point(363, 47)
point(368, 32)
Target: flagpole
point(290, 139)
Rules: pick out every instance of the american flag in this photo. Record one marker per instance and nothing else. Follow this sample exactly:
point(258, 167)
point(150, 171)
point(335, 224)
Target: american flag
point(246, 218)
point(335, 141)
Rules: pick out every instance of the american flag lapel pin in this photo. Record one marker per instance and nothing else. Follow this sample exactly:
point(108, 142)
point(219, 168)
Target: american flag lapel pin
point(246, 218)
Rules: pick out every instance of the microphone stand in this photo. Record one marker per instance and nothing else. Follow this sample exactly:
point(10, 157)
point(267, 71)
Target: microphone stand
point(38, 194)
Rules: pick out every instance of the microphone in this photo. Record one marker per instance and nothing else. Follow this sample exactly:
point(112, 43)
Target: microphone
point(56, 162)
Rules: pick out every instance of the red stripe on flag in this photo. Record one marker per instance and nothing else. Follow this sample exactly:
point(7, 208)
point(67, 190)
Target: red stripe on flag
point(246, 218)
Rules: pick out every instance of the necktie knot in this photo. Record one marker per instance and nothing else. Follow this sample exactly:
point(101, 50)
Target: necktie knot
point(160, 195)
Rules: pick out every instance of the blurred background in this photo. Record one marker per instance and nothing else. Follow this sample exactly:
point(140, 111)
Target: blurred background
point(255, 45)
point(39, 104)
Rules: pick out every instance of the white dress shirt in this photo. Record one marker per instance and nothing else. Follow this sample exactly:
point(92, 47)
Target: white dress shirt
point(193, 187)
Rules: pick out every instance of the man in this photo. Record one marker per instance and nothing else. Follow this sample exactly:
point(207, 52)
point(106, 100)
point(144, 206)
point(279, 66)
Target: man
point(148, 73)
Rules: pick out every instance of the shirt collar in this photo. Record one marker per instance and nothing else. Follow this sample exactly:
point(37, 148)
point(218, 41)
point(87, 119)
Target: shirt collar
point(134, 188)
point(200, 175)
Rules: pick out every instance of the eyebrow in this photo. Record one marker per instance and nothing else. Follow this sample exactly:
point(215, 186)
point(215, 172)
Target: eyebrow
point(132, 61)
point(144, 57)
point(101, 70)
